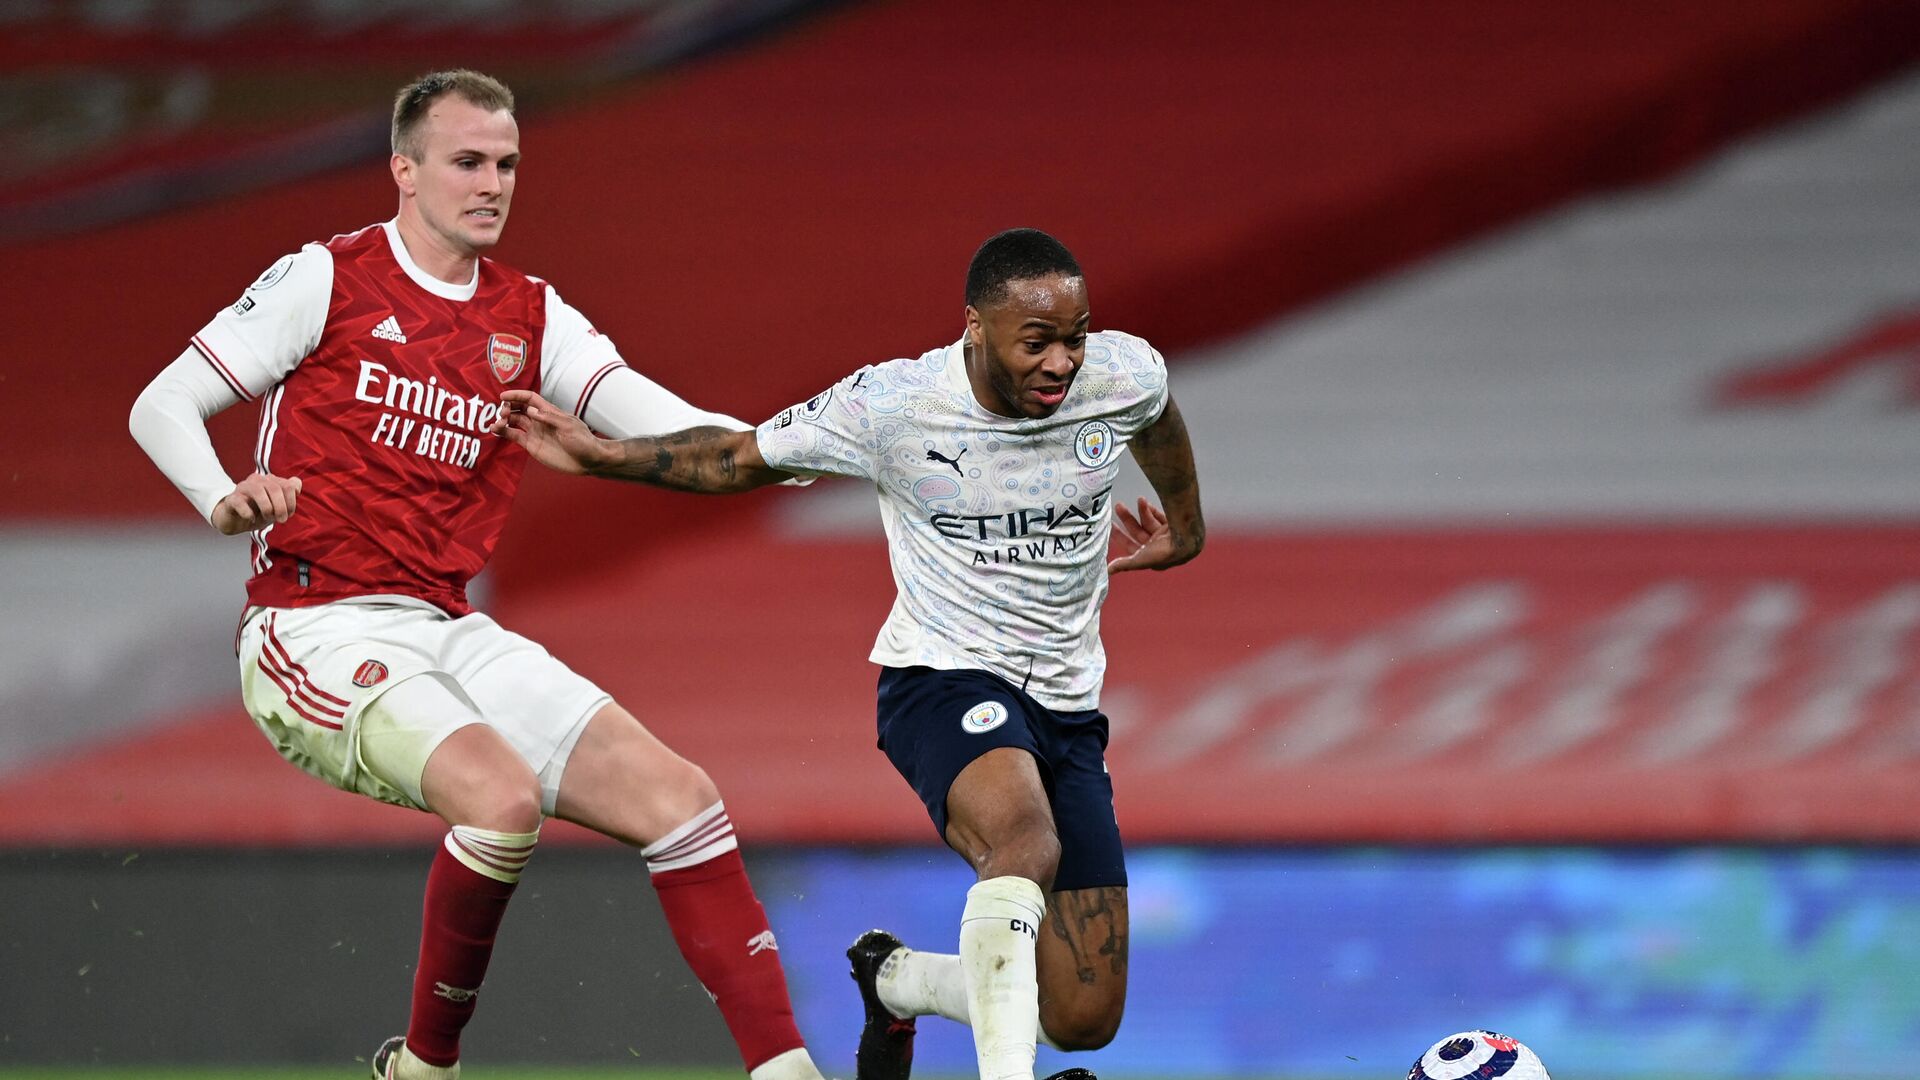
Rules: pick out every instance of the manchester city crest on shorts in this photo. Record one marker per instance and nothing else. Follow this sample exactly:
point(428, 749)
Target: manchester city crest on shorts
point(984, 717)
point(507, 356)
point(1093, 443)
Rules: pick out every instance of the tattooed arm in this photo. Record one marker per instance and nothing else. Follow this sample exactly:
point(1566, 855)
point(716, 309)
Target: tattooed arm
point(1157, 539)
point(707, 460)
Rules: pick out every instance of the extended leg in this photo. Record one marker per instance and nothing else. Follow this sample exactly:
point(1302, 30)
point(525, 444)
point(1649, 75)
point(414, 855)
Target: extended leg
point(491, 802)
point(1081, 964)
point(999, 820)
point(627, 784)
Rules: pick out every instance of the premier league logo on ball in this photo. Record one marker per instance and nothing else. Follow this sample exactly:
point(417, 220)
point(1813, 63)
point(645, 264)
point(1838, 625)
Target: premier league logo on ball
point(1478, 1055)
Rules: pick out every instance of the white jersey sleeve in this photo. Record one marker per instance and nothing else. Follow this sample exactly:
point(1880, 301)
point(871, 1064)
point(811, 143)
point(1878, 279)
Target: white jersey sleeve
point(169, 421)
point(582, 371)
point(826, 435)
point(274, 325)
point(1139, 373)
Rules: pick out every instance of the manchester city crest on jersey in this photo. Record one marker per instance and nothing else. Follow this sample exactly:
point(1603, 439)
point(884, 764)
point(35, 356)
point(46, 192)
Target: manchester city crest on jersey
point(1093, 443)
point(984, 717)
point(507, 356)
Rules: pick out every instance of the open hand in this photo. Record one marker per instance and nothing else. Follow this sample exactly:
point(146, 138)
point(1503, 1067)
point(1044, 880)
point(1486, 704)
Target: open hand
point(556, 438)
point(1145, 541)
point(260, 500)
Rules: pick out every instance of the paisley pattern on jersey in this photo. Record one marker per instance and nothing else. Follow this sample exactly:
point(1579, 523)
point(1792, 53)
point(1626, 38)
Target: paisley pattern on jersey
point(997, 527)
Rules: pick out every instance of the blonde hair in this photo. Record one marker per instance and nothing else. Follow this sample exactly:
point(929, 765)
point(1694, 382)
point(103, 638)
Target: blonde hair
point(411, 103)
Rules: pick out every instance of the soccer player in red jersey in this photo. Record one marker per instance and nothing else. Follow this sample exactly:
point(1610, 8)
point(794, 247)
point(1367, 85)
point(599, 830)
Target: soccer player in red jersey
point(377, 493)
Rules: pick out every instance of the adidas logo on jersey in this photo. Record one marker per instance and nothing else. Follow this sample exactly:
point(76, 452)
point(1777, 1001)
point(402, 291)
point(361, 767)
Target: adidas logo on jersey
point(389, 330)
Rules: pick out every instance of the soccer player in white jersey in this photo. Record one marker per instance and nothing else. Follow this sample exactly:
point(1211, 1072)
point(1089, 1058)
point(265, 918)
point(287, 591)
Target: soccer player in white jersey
point(378, 492)
point(994, 459)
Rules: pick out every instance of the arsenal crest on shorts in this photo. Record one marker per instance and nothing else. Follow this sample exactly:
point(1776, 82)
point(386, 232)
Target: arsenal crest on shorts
point(507, 356)
point(369, 673)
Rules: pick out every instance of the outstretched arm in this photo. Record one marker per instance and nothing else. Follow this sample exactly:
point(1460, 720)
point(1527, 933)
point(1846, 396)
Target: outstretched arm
point(706, 460)
point(1159, 540)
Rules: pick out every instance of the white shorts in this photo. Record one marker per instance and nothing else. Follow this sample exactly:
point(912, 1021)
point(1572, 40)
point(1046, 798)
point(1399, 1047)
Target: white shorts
point(309, 675)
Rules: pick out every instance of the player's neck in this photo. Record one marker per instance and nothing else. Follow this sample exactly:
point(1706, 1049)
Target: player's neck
point(984, 394)
point(432, 253)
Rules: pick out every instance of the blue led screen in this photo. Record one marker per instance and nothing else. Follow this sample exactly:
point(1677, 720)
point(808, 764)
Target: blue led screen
point(1669, 963)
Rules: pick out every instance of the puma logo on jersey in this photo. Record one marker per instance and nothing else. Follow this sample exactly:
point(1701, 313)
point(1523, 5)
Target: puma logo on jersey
point(935, 455)
point(762, 942)
point(389, 330)
point(454, 994)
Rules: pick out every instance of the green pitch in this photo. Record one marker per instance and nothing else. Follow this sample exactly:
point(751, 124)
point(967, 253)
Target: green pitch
point(358, 1071)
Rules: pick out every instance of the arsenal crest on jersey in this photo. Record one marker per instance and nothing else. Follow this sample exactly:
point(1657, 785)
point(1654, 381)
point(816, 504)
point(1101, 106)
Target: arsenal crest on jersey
point(370, 673)
point(507, 356)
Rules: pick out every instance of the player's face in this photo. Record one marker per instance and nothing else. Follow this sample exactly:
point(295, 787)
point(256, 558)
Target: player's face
point(463, 183)
point(1028, 347)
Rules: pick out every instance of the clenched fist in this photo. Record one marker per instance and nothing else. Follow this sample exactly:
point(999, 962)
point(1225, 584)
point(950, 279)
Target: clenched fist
point(261, 499)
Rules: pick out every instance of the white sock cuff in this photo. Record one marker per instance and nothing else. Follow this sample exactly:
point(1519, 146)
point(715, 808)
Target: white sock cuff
point(1005, 898)
point(794, 1064)
point(498, 855)
point(706, 835)
point(406, 1066)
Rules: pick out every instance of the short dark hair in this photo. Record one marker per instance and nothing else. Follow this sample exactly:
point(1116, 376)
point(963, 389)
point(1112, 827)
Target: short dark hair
point(411, 103)
point(1015, 255)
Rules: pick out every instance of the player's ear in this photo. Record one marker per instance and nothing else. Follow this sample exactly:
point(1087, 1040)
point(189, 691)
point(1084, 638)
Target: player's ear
point(402, 168)
point(976, 331)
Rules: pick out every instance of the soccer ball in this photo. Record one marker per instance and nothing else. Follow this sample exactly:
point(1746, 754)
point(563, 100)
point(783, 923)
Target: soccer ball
point(1478, 1055)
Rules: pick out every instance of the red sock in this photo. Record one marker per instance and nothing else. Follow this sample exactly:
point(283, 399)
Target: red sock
point(462, 914)
point(722, 931)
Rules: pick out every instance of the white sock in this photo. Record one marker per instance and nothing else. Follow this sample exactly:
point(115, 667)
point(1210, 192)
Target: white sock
point(914, 983)
point(407, 1067)
point(998, 933)
point(794, 1064)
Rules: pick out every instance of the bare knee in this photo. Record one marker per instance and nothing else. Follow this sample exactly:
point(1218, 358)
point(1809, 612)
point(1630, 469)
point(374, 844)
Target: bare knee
point(999, 818)
point(1079, 1025)
point(508, 803)
point(693, 790)
point(675, 794)
point(474, 778)
point(1031, 851)
point(512, 805)
point(624, 782)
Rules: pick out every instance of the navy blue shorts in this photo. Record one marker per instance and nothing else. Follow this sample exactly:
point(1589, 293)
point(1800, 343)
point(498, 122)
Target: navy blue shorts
point(935, 723)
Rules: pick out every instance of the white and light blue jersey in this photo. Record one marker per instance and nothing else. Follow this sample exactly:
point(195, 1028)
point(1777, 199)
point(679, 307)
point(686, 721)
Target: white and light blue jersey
point(996, 527)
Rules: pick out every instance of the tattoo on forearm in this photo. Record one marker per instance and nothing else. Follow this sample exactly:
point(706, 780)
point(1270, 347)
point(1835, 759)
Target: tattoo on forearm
point(685, 460)
point(1165, 455)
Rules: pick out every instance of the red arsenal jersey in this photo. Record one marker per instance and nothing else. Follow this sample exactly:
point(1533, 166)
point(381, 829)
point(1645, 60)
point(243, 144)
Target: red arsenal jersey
point(379, 398)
